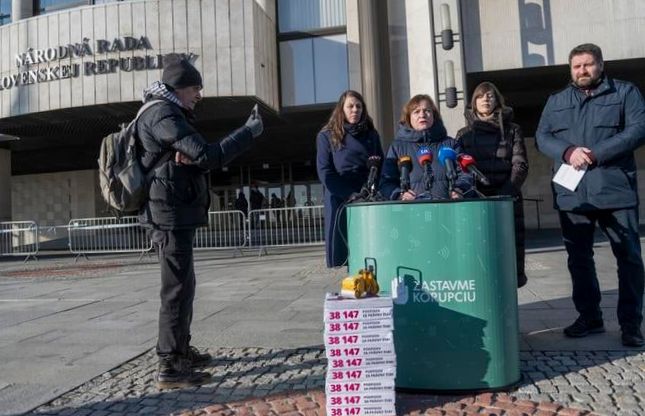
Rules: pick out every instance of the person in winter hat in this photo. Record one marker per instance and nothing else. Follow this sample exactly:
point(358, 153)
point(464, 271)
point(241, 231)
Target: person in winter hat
point(178, 159)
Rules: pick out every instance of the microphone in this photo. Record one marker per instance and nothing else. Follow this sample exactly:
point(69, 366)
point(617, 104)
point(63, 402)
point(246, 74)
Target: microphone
point(405, 166)
point(373, 162)
point(424, 157)
point(447, 157)
point(468, 164)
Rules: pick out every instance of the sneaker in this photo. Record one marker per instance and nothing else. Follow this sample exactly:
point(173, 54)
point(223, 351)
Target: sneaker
point(198, 359)
point(632, 337)
point(177, 373)
point(583, 327)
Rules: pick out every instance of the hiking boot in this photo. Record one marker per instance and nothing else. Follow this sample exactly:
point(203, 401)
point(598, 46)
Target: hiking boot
point(177, 373)
point(583, 327)
point(632, 337)
point(198, 359)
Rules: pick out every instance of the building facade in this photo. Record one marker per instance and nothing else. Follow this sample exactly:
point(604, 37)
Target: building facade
point(72, 70)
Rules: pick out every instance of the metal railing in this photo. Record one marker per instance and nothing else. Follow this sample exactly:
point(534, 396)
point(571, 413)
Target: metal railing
point(275, 227)
point(225, 229)
point(19, 238)
point(278, 227)
point(107, 235)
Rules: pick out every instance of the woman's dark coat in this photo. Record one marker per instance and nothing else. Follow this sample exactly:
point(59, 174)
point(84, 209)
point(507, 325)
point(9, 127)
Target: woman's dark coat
point(179, 197)
point(499, 150)
point(406, 143)
point(342, 172)
point(497, 145)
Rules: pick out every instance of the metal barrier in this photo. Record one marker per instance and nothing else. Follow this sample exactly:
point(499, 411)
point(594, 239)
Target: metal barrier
point(225, 229)
point(537, 209)
point(107, 235)
point(19, 238)
point(296, 226)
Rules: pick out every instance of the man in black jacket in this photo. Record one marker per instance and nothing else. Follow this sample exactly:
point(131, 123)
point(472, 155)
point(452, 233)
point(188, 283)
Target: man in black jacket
point(178, 203)
point(596, 123)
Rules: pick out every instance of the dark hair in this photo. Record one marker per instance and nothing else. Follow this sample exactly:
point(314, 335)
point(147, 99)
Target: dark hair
point(337, 119)
point(482, 89)
point(590, 48)
point(409, 107)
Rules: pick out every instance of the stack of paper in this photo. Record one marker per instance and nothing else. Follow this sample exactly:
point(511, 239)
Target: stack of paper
point(360, 354)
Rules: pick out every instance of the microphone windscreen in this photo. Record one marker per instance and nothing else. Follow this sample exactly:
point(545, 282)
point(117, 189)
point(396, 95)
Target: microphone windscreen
point(446, 153)
point(405, 161)
point(465, 160)
point(373, 161)
point(424, 155)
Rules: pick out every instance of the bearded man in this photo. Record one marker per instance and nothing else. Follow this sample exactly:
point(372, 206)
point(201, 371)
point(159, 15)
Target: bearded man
point(595, 124)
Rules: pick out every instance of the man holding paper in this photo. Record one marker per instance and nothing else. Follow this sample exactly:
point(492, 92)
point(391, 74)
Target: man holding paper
point(593, 126)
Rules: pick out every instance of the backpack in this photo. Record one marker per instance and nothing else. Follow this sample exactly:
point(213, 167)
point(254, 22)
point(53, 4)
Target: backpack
point(123, 183)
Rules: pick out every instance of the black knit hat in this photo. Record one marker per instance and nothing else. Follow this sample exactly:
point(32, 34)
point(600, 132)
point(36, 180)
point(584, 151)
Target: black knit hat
point(179, 73)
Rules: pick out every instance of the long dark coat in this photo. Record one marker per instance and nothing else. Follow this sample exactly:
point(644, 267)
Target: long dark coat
point(499, 150)
point(342, 172)
point(179, 196)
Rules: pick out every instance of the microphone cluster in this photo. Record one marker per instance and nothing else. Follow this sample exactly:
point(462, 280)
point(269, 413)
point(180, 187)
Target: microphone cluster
point(448, 158)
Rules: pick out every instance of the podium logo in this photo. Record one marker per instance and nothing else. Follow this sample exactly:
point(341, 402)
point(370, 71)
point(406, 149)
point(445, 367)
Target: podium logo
point(400, 292)
point(407, 289)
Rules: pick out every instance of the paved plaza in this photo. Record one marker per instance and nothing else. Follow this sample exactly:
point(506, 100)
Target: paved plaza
point(78, 338)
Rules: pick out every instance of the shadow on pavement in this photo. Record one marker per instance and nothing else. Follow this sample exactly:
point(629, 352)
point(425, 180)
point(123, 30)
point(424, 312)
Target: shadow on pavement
point(288, 378)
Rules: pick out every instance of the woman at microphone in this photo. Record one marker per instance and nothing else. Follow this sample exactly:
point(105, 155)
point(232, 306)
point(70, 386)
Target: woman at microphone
point(343, 147)
point(433, 173)
point(497, 144)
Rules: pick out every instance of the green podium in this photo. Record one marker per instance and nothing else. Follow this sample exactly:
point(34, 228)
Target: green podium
point(450, 267)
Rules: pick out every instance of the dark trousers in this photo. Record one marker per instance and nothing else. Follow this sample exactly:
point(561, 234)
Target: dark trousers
point(621, 228)
point(177, 291)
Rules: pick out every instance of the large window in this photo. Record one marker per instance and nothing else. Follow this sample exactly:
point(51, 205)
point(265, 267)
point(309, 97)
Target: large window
point(48, 6)
point(313, 51)
point(5, 12)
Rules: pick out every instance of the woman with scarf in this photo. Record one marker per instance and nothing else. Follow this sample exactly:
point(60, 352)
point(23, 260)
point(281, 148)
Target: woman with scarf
point(342, 149)
point(497, 145)
point(420, 127)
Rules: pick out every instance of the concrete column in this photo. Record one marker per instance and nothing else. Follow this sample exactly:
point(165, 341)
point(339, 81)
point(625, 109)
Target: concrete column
point(353, 46)
point(420, 46)
point(5, 185)
point(375, 64)
point(453, 118)
point(21, 9)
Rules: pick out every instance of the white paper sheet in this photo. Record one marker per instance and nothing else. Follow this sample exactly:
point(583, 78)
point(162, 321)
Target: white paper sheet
point(569, 177)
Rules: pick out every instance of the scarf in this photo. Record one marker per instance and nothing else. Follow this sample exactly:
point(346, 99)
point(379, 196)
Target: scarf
point(355, 129)
point(159, 89)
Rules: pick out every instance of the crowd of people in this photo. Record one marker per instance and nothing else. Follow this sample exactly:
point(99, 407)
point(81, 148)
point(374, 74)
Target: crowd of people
point(594, 125)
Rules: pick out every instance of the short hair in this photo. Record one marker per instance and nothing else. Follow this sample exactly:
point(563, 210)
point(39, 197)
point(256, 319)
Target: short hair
point(482, 89)
point(590, 48)
point(414, 102)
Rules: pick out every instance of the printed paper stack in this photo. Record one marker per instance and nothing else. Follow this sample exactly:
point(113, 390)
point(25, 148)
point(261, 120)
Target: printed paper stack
point(360, 353)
